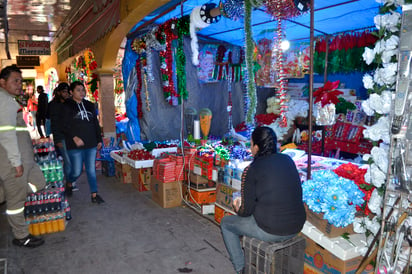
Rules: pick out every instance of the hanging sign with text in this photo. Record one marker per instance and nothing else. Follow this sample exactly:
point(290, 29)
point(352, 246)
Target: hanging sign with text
point(28, 47)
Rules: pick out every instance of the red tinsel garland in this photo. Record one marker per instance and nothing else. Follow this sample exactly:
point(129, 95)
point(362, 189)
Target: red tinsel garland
point(166, 33)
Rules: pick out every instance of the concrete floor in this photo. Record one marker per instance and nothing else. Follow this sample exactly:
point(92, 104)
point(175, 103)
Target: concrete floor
point(128, 234)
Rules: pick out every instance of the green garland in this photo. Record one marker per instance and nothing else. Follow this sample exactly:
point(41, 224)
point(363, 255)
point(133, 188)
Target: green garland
point(183, 29)
point(251, 87)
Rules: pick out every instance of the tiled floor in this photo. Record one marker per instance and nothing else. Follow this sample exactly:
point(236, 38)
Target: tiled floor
point(128, 234)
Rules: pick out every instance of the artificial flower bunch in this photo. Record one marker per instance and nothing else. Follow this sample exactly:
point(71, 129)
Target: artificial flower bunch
point(380, 84)
point(334, 196)
point(356, 174)
point(328, 94)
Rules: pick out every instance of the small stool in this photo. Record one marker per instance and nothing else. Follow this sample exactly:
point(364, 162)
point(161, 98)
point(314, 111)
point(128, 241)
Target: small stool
point(270, 258)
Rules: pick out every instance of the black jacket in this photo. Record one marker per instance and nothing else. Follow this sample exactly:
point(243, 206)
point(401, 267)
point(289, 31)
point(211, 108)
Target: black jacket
point(42, 103)
point(80, 120)
point(272, 193)
point(55, 112)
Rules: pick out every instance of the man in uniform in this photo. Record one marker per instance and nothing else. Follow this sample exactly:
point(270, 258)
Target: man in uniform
point(19, 174)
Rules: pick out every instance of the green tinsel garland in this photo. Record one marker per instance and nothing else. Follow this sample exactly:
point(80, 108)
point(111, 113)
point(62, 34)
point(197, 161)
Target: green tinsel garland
point(251, 88)
point(183, 29)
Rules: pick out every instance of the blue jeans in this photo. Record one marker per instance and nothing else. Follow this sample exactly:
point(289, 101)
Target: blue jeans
point(67, 166)
point(235, 226)
point(88, 157)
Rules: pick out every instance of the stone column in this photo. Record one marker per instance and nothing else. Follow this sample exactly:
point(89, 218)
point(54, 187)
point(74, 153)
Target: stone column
point(106, 104)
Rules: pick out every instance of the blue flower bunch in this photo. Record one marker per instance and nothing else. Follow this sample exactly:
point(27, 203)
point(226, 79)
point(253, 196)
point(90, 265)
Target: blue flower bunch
point(332, 195)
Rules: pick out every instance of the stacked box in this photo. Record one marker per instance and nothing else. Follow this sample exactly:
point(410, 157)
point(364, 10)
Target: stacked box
point(141, 178)
point(270, 258)
point(201, 197)
point(108, 168)
point(166, 194)
point(221, 212)
point(324, 226)
point(319, 260)
point(198, 182)
point(123, 172)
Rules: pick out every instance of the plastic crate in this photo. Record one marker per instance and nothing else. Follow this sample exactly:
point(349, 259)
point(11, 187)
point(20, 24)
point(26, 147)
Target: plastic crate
point(270, 258)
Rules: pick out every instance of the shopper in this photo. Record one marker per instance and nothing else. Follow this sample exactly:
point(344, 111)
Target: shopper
point(42, 103)
point(270, 207)
point(19, 174)
point(55, 115)
point(83, 138)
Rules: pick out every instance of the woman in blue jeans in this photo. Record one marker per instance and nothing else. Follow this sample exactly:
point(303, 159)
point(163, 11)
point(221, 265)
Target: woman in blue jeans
point(83, 138)
point(270, 207)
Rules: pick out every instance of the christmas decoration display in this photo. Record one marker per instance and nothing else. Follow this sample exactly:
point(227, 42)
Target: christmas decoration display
point(326, 98)
point(200, 17)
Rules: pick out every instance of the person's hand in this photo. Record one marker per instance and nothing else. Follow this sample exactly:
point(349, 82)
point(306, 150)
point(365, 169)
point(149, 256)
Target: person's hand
point(99, 145)
point(59, 145)
point(236, 203)
point(19, 171)
point(79, 142)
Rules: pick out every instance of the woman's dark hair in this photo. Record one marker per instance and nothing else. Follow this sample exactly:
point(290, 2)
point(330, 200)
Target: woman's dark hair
point(5, 73)
point(75, 84)
point(265, 138)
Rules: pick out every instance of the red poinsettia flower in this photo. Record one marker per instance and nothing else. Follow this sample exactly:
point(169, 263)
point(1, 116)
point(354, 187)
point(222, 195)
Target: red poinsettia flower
point(328, 94)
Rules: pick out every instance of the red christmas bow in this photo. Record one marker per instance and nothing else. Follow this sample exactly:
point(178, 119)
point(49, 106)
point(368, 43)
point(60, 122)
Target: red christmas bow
point(328, 93)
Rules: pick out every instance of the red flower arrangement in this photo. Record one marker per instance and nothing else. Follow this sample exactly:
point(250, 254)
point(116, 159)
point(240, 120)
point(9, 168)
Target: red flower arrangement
point(265, 119)
point(328, 93)
point(356, 174)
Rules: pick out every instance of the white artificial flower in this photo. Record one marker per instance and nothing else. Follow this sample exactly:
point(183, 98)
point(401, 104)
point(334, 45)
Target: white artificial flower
point(380, 157)
point(375, 102)
point(375, 203)
point(387, 74)
point(392, 43)
point(377, 175)
point(366, 157)
point(373, 225)
point(387, 55)
point(378, 77)
point(389, 21)
point(368, 55)
point(368, 81)
point(367, 107)
point(359, 225)
point(367, 176)
point(379, 47)
point(386, 98)
point(378, 131)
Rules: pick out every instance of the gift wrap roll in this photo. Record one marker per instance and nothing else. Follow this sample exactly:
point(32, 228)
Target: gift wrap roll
point(196, 129)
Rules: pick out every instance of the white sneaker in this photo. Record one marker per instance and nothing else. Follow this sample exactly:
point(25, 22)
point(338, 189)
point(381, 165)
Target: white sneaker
point(74, 187)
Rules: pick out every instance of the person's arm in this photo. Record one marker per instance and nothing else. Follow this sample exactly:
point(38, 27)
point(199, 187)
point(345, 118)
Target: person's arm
point(248, 193)
point(8, 137)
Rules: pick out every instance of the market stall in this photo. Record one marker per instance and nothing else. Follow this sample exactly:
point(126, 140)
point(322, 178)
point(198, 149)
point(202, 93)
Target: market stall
point(243, 83)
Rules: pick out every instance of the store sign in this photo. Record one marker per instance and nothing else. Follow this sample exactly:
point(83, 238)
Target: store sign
point(28, 61)
point(28, 47)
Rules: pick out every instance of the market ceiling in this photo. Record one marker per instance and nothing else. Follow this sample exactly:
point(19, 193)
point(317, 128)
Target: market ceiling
point(330, 17)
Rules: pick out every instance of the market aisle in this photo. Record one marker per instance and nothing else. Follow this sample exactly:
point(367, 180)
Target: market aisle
point(128, 234)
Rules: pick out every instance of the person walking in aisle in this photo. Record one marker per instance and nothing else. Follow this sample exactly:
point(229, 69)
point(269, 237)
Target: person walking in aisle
point(19, 174)
point(55, 115)
point(42, 103)
point(270, 207)
point(83, 138)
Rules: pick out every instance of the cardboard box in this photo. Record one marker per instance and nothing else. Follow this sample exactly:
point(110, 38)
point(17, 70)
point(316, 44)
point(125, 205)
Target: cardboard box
point(324, 226)
point(220, 212)
point(201, 197)
point(141, 178)
point(319, 259)
point(166, 194)
point(199, 182)
point(123, 172)
point(224, 195)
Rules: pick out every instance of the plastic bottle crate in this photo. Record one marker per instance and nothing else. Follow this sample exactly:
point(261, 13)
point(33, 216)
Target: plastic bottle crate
point(270, 258)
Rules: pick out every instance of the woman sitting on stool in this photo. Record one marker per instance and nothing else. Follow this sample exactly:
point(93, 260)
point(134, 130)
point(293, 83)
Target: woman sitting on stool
point(270, 207)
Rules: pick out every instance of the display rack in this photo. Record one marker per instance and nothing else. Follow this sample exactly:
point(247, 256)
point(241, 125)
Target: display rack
point(47, 209)
point(395, 238)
